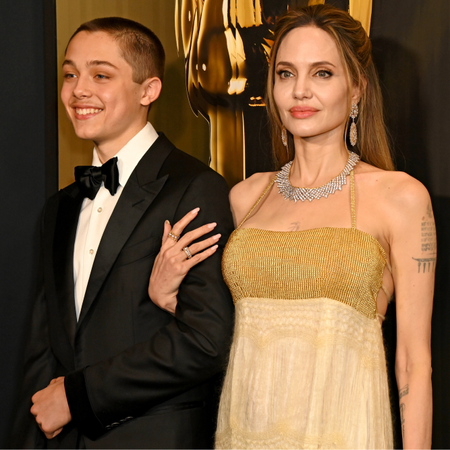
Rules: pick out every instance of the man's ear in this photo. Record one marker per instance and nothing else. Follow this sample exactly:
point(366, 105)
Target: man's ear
point(152, 89)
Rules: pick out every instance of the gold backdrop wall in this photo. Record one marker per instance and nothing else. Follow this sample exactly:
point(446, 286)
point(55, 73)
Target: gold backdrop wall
point(170, 114)
point(227, 45)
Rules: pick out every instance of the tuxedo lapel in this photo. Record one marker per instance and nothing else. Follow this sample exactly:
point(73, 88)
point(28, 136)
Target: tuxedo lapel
point(63, 246)
point(138, 194)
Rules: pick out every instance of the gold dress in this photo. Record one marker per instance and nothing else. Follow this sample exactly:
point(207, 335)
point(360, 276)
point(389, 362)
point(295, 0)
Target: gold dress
point(307, 365)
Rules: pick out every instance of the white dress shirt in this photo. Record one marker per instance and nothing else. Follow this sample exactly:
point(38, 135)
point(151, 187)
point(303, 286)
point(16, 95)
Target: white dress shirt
point(96, 213)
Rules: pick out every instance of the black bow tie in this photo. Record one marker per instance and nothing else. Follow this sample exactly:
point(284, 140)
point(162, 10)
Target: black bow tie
point(90, 178)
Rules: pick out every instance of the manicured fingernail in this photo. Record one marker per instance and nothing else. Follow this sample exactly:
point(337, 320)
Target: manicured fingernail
point(167, 222)
point(195, 211)
point(217, 236)
point(212, 225)
point(214, 247)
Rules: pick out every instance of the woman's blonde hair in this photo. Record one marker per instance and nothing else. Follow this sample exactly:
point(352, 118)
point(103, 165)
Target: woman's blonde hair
point(355, 49)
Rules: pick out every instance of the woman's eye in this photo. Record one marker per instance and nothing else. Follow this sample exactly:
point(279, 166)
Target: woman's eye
point(69, 75)
point(323, 74)
point(284, 74)
point(101, 77)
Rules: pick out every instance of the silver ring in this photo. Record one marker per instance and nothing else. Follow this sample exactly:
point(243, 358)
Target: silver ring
point(174, 237)
point(188, 253)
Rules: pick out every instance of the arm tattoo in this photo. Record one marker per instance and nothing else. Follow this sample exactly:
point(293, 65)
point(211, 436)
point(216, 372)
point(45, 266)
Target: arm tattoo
point(295, 226)
point(427, 262)
point(403, 391)
point(402, 418)
point(428, 229)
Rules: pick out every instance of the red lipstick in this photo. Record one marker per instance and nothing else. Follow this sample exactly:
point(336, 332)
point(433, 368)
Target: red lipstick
point(302, 112)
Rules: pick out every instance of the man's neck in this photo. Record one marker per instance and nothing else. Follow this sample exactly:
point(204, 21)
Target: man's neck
point(108, 149)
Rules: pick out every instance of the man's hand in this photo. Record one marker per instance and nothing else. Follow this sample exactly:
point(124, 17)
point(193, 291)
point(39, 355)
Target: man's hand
point(50, 408)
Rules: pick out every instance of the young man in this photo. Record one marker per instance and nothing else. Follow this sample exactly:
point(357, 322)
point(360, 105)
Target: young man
point(106, 368)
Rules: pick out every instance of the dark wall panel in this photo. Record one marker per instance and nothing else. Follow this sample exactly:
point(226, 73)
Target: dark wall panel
point(411, 44)
point(27, 172)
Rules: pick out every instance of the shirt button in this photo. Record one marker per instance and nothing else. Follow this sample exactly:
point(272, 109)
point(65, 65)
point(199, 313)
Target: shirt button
point(91, 251)
point(100, 209)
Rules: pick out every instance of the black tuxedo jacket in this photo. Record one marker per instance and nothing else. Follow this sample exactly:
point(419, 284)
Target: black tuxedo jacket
point(135, 376)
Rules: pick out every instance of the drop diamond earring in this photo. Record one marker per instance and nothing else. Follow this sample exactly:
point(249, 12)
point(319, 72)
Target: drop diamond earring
point(353, 130)
point(284, 139)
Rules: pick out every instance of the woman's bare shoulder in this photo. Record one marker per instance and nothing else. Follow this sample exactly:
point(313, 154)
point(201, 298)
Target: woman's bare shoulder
point(401, 192)
point(245, 194)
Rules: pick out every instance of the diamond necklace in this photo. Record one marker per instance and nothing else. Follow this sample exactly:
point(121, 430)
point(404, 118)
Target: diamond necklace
point(290, 192)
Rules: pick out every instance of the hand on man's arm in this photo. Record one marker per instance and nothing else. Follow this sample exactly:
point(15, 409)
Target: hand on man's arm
point(50, 408)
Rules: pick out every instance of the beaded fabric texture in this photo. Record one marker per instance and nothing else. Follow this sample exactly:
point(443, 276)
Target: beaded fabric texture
point(304, 374)
point(343, 264)
point(306, 264)
point(290, 192)
point(307, 367)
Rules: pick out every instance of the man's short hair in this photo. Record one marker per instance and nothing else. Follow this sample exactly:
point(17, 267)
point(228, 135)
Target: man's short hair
point(140, 47)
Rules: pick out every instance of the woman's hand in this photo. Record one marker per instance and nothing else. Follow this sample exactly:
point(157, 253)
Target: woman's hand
point(176, 258)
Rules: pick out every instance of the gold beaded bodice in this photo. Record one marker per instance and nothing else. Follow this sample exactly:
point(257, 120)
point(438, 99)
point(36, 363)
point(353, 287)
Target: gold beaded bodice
point(343, 264)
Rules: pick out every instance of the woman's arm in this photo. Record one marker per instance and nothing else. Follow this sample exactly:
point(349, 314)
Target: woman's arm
point(413, 257)
point(172, 263)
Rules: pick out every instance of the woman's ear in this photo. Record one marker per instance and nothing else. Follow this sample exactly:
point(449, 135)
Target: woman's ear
point(151, 90)
point(357, 91)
